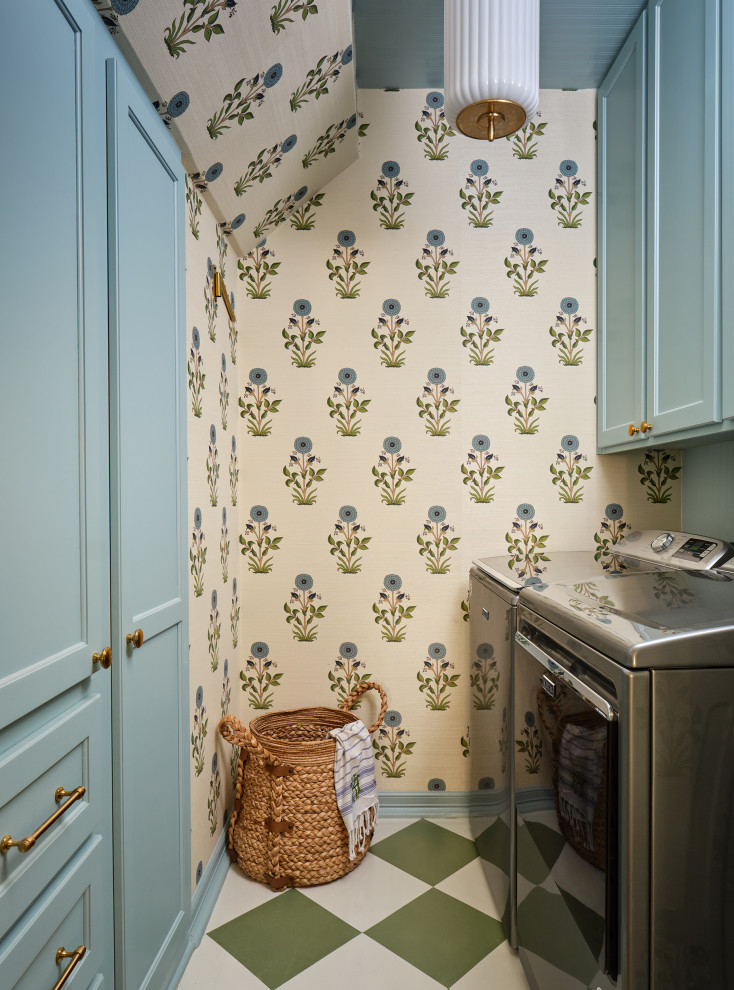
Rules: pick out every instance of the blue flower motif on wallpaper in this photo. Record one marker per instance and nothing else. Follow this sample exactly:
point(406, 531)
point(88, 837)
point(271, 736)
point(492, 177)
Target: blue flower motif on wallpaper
point(258, 542)
point(478, 472)
point(566, 197)
point(210, 301)
point(433, 130)
point(246, 96)
point(196, 376)
point(226, 227)
point(611, 531)
point(333, 135)
point(257, 269)
point(262, 166)
point(478, 194)
point(301, 476)
point(525, 545)
point(215, 790)
point(199, 731)
point(303, 217)
point(212, 466)
point(224, 548)
point(525, 141)
point(435, 680)
point(344, 265)
point(484, 678)
point(345, 404)
point(316, 84)
point(279, 19)
point(523, 267)
point(200, 18)
point(223, 393)
point(234, 615)
point(301, 612)
point(523, 404)
point(391, 749)
point(257, 406)
point(391, 476)
point(391, 612)
point(279, 211)
point(300, 337)
point(478, 333)
point(197, 555)
point(569, 333)
point(226, 697)
point(389, 201)
point(433, 405)
point(435, 545)
point(568, 471)
point(258, 679)
point(348, 541)
point(214, 633)
point(234, 472)
point(193, 205)
point(348, 673)
point(530, 745)
point(657, 475)
point(391, 336)
point(433, 268)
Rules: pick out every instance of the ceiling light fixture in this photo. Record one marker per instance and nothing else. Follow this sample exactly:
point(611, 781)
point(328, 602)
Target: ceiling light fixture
point(491, 56)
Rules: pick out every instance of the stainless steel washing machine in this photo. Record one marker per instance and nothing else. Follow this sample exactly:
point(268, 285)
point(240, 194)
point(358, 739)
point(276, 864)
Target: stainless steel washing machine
point(624, 709)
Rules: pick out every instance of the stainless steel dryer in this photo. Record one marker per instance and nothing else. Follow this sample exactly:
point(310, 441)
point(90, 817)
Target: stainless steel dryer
point(624, 698)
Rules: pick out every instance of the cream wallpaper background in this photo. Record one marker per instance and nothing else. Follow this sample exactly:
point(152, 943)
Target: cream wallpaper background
point(542, 214)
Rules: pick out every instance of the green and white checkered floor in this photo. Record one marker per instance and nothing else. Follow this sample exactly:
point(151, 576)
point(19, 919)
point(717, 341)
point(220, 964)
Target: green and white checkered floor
point(417, 910)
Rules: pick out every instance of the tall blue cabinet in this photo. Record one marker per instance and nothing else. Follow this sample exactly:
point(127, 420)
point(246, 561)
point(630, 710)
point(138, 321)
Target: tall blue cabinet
point(93, 667)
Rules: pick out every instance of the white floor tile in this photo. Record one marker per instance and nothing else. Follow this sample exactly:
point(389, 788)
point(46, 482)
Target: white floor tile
point(389, 826)
point(471, 885)
point(361, 964)
point(460, 826)
point(581, 879)
point(239, 894)
point(212, 966)
point(501, 970)
point(368, 894)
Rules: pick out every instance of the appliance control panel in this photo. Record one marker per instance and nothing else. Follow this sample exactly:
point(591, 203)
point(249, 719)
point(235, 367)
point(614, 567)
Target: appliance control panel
point(672, 549)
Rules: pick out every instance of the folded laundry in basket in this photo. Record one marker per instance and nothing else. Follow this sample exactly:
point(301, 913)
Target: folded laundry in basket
point(355, 784)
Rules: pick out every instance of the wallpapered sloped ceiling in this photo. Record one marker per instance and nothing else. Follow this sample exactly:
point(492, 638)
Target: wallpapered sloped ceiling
point(258, 94)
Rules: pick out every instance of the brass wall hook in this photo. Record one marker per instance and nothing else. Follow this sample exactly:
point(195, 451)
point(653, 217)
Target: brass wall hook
point(220, 289)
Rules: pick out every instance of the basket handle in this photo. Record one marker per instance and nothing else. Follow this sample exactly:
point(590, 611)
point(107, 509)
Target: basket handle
point(234, 732)
point(351, 700)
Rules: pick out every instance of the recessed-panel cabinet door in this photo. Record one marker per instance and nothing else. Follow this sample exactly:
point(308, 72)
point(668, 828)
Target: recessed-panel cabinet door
point(621, 347)
point(727, 208)
point(147, 480)
point(54, 576)
point(683, 159)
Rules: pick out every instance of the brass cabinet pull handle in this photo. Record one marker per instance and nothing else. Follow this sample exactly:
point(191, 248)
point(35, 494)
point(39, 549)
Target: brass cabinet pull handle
point(76, 956)
point(645, 427)
point(135, 638)
point(632, 429)
point(104, 659)
point(23, 845)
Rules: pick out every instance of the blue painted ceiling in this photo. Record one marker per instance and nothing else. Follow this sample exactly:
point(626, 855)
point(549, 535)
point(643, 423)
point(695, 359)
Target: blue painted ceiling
point(399, 43)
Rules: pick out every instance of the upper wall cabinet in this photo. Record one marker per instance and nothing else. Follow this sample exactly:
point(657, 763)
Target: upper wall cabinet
point(660, 349)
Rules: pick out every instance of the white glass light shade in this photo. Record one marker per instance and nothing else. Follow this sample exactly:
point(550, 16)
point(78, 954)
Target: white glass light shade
point(491, 52)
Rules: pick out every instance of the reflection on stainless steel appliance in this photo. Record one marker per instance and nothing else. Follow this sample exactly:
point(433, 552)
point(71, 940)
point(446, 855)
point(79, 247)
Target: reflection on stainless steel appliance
point(624, 775)
point(495, 589)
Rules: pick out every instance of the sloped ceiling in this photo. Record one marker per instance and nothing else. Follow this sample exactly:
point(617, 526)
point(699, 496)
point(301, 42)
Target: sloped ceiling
point(259, 95)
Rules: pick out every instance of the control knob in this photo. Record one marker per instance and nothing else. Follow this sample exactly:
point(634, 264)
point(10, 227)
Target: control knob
point(661, 542)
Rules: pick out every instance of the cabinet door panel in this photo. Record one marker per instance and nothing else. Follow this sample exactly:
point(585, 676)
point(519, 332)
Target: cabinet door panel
point(683, 316)
point(621, 354)
point(54, 584)
point(148, 460)
point(727, 208)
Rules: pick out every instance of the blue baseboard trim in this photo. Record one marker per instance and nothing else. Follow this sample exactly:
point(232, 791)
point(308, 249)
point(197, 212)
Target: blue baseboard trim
point(442, 804)
point(203, 901)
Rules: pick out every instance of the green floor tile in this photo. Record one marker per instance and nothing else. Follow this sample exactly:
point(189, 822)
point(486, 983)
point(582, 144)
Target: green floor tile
point(590, 924)
point(426, 851)
point(549, 841)
point(547, 928)
point(494, 844)
point(281, 938)
point(439, 935)
point(530, 864)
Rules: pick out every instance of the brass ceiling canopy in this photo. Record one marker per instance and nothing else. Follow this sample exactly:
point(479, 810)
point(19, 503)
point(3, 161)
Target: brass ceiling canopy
point(490, 119)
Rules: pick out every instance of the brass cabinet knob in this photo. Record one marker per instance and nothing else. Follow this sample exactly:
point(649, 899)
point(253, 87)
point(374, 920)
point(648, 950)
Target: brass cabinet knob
point(632, 429)
point(645, 427)
point(104, 659)
point(135, 638)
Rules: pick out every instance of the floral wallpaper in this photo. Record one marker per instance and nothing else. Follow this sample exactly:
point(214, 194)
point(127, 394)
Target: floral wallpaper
point(259, 95)
point(413, 388)
point(213, 363)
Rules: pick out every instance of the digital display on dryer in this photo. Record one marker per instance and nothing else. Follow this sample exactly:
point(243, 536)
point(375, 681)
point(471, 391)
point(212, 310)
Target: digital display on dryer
point(695, 549)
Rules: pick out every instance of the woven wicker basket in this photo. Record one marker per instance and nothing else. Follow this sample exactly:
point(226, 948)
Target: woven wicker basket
point(286, 829)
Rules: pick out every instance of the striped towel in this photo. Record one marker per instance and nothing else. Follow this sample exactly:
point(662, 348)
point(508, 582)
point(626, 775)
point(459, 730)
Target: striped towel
point(355, 784)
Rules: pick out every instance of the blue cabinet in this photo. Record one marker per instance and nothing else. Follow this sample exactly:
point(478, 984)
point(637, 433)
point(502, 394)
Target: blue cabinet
point(93, 500)
point(660, 356)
